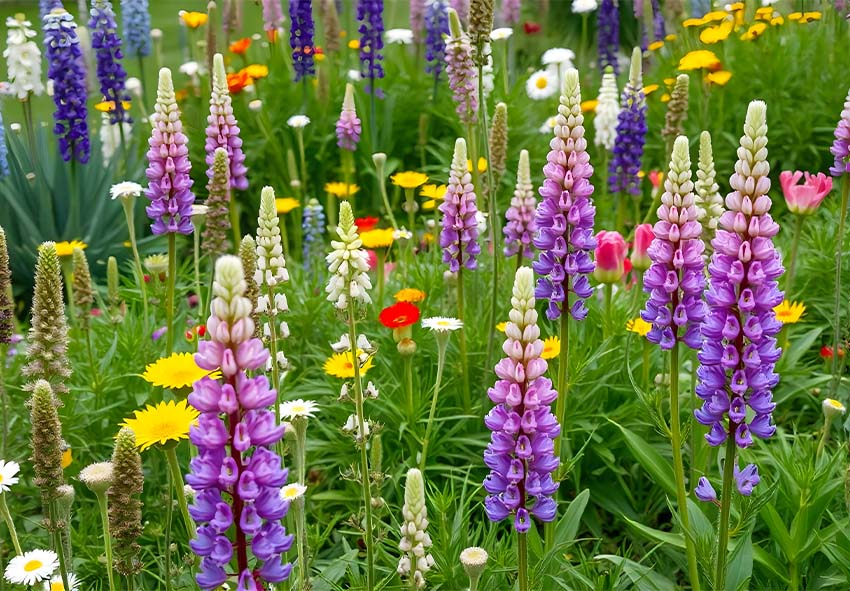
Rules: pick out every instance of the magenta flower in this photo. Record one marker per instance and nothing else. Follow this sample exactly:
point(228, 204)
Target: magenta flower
point(459, 237)
point(805, 198)
point(348, 127)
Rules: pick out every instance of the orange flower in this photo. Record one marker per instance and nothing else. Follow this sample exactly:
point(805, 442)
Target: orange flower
point(237, 81)
point(193, 20)
point(271, 34)
point(240, 46)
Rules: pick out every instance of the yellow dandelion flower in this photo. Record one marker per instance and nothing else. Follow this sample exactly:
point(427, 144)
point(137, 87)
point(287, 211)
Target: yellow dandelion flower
point(409, 179)
point(671, 37)
point(411, 295)
point(754, 32)
point(589, 106)
point(665, 98)
point(109, 106)
point(161, 424)
point(482, 165)
point(779, 20)
point(655, 45)
point(789, 312)
point(175, 372)
point(551, 348)
point(341, 190)
point(808, 17)
point(649, 89)
point(501, 326)
point(286, 204)
point(193, 20)
point(718, 33)
point(720, 77)
point(694, 22)
point(377, 238)
point(429, 205)
point(66, 249)
point(699, 59)
point(765, 13)
point(341, 365)
point(433, 191)
point(638, 326)
point(354, 44)
point(255, 71)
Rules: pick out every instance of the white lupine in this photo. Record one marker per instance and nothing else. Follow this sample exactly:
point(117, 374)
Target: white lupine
point(271, 271)
point(348, 264)
point(607, 111)
point(709, 202)
point(23, 59)
point(415, 541)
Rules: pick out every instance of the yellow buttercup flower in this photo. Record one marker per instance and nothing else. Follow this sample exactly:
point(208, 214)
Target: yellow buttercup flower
point(286, 204)
point(109, 106)
point(193, 20)
point(699, 59)
point(501, 326)
point(175, 372)
point(736, 7)
point(808, 17)
point(377, 238)
point(716, 34)
point(655, 45)
point(433, 191)
point(779, 20)
point(164, 423)
point(649, 89)
point(66, 249)
point(720, 77)
point(589, 106)
point(665, 98)
point(482, 165)
point(765, 13)
point(411, 295)
point(715, 15)
point(341, 190)
point(694, 22)
point(671, 37)
point(256, 71)
point(551, 348)
point(789, 312)
point(638, 326)
point(429, 205)
point(754, 32)
point(341, 365)
point(409, 179)
point(354, 44)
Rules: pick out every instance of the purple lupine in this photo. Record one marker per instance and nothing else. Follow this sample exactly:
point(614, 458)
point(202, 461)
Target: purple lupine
point(237, 475)
point(46, 6)
point(841, 146)
point(520, 454)
point(170, 186)
point(110, 72)
point(223, 129)
point(463, 75)
point(659, 29)
point(348, 127)
point(519, 231)
point(739, 348)
point(564, 217)
point(675, 280)
point(370, 15)
point(631, 134)
point(66, 68)
point(436, 25)
point(459, 236)
point(272, 18)
point(301, 31)
point(511, 11)
point(608, 21)
point(417, 19)
point(136, 23)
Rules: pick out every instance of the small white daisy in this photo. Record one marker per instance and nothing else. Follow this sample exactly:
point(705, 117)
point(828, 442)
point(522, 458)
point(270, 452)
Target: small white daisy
point(402, 234)
point(541, 85)
point(256, 105)
point(292, 409)
point(290, 492)
point(31, 567)
point(125, 189)
point(584, 6)
point(832, 407)
point(398, 36)
point(55, 583)
point(474, 556)
point(442, 323)
point(8, 475)
point(298, 121)
point(559, 56)
point(501, 34)
point(548, 125)
point(191, 69)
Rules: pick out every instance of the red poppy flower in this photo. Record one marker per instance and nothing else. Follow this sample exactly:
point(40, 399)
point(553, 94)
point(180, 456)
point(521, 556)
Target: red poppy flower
point(399, 315)
point(826, 352)
point(531, 27)
point(366, 224)
point(240, 46)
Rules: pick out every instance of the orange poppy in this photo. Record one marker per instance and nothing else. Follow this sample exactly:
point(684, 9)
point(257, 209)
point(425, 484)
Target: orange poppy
point(240, 46)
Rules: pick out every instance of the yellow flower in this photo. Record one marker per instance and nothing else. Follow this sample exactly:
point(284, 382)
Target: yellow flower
point(410, 295)
point(699, 59)
point(649, 89)
point(665, 98)
point(341, 190)
point(589, 106)
point(256, 71)
point(67, 456)
point(809, 17)
point(66, 249)
point(109, 106)
point(319, 57)
point(754, 31)
point(482, 165)
point(433, 191)
point(377, 238)
point(501, 326)
point(765, 13)
point(551, 348)
point(795, 16)
point(341, 365)
point(354, 44)
point(789, 312)
point(779, 20)
point(655, 45)
point(638, 326)
point(429, 205)
point(165, 422)
point(194, 20)
point(175, 372)
point(671, 37)
point(286, 204)
point(409, 179)
point(716, 34)
point(720, 77)
point(694, 22)
point(670, 82)
point(736, 7)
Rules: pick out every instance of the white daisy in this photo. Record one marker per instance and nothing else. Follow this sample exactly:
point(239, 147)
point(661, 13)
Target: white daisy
point(474, 556)
point(125, 189)
point(832, 407)
point(402, 234)
point(290, 492)
point(55, 583)
point(298, 121)
point(541, 85)
point(559, 56)
point(31, 567)
point(501, 34)
point(292, 409)
point(8, 474)
point(191, 69)
point(548, 125)
point(441, 323)
point(584, 6)
point(399, 36)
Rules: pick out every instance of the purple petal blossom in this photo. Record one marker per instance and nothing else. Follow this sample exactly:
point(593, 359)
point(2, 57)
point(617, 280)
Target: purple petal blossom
point(841, 146)
point(608, 22)
point(348, 126)
point(520, 229)
point(136, 23)
point(459, 236)
point(704, 491)
point(436, 25)
point(631, 134)
point(462, 72)
point(223, 129)
point(301, 31)
point(107, 48)
point(370, 15)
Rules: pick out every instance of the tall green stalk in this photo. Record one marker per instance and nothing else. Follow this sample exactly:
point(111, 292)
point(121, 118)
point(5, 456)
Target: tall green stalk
point(300, 425)
point(58, 546)
point(464, 363)
point(7, 517)
point(129, 215)
point(169, 294)
point(725, 506)
point(177, 478)
point(839, 247)
point(442, 343)
point(107, 537)
point(522, 561)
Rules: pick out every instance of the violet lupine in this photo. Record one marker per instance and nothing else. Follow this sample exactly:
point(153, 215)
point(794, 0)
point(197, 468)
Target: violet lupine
point(169, 183)
point(237, 475)
point(107, 46)
point(223, 129)
point(136, 23)
point(459, 236)
point(417, 19)
point(370, 14)
point(631, 134)
point(519, 231)
point(436, 26)
point(511, 11)
point(301, 31)
point(564, 217)
point(739, 348)
point(272, 18)
point(608, 21)
point(520, 454)
point(348, 126)
point(675, 280)
point(841, 146)
point(659, 29)
point(67, 70)
point(463, 75)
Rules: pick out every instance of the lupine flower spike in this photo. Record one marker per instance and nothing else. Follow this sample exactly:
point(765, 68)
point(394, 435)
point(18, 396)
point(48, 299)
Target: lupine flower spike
point(607, 111)
point(459, 235)
point(136, 18)
point(125, 510)
point(463, 75)
point(609, 35)
point(437, 27)
point(23, 59)
point(301, 38)
point(348, 127)
point(521, 227)
point(217, 223)
point(415, 541)
point(110, 71)
point(631, 134)
point(223, 129)
point(708, 200)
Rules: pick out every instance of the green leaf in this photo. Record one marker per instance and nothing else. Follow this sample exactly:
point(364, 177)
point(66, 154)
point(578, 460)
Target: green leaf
point(651, 460)
point(778, 568)
point(643, 577)
point(676, 540)
point(568, 525)
point(740, 567)
point(778, 531)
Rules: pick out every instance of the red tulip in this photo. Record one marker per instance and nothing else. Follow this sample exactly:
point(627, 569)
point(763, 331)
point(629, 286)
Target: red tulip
point(610, 257)
point(804, 199)
point(643, 238)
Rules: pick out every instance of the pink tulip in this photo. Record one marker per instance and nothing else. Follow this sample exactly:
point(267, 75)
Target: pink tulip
point(804, 199)
point(610, 257)
point(643, 238)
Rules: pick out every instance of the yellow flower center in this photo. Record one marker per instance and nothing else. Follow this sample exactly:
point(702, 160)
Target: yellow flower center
point(541, 83)
point(33, 565)
point(297, 408)
point(57, 586)
point(1, 479)
point(834, 403)
point(290, 493)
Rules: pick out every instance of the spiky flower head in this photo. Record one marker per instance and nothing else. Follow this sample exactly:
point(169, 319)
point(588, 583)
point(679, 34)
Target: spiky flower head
point(499, 142)
point(136, 21)
point(631, 133)
point(348, 125)
point(459, 236)
point(474, 560)
point(217, 225)
point(461, 70)
point(125, 507)
point(23, 58)
point(271, 266)
point(83, 293)
point(347, 264)
point(107, 49)
point(248, 256)
point(98, 477)
point(480, 22)
point(607, 111)
point(709, 202)
point(7, 306)
point(608, 21)
point(415, 541)
point(312, 225)
point(520, 229)
point(46, 442)
point(677, 108)
point(47, 348)
point(223, 129)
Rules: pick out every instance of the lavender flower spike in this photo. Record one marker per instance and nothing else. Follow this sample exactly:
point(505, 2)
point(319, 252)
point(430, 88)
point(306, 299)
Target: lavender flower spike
point(520, 215)
point(370, 15)
point(136, 21)
point(463, 75)
point(841, 146)
point(170, 186)
point(631, 133)
point(110, 72)
point(223, 129)
point(417, 19)
point(521, 451)
point(66, 68)
point(608, 19)
point(436, 26)
point(565, 216)
point(675, 279)
point(459, 236)
point(301, 31)
point(739, 349)
point(237, 475)
point(348, 127)
point(272, 18)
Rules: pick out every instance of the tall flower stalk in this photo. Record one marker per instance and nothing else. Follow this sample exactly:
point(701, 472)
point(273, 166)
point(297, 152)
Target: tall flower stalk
point(136, 23)
point(415, 541)
point(23, 66)
point(223, 129)
point(110, 71)
point(605, 118)
point(675, 282)
point(217, 223)
point(125, 512)
point(608, 19)
point(301, 33)
point(370, 15)
point(521, 227)
point(708, 200)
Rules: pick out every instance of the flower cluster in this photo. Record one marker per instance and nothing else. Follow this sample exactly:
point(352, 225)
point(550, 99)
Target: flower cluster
point(237, 475)
point(223, 129)
point(348, 264)
point(520, 453)
point(436, 26)
point(739, 347)
point(348, 127)
point(23, 59)
point(312, 225)
point(217, 222)
point(370, 14)
point(272, 18)
point(415, 541)
point(125, 507)
point(463, 75)
point(708, 200)
point(459, 236)
point(677, 108)
point(841, 146)
point(521, 227)
point(564, 217)
point(170, 186)
point(301, 30)
point(608, 22)
point(607, 111)
point(136, 20)
point(631, 134)
point(110, 72)
point(675, 280)
point(271, 270)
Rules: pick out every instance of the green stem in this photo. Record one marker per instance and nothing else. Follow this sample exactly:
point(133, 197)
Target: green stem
point(725, 506)
point(839, 247)
point(793, 576)
point(169, 294)
point(473, 583)
point(302, 155)
point(58, 547)
point(196, 255)
point(272, 320)
point(30, 129)
point(177, 477)
point(129, 215)
point(410, 206)
point(679, 467)
point(606, 321)
point(380, 255)
point(442, 342)
point(522, 561)
point(7, 517)
point(827, 423)
point(169, 514)
point(382, 186)
point(300, 425)
point(464, 364)
point(408, 381)
point(4, 401)
point(107, 537)
point(795, 243)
